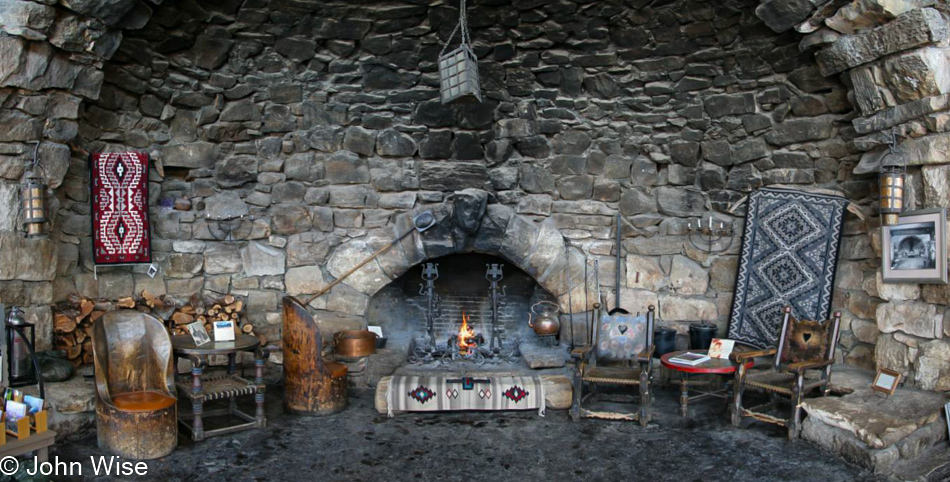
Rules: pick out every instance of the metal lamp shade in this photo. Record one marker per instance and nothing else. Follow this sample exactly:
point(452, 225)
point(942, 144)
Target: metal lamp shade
point(892, 194)
point(34, 207)
point(458, 72)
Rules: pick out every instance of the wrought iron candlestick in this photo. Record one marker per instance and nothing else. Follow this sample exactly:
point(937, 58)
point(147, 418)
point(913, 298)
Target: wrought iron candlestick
point(430, 273)
point(709, 235)
point(494, 275)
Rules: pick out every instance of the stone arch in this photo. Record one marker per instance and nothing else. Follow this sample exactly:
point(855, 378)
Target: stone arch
point(467, 223)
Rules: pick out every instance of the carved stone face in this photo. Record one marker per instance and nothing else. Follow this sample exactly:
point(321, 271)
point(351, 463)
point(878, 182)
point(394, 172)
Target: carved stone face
point(469, 208)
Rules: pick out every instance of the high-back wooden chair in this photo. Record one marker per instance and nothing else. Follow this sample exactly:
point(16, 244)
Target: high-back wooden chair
point(621, 354)
point(135, 389)
point(312, 385)
point(803, 347)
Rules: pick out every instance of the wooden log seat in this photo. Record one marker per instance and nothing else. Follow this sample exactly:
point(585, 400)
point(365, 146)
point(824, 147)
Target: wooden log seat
point(136, 407)
point(312, 385)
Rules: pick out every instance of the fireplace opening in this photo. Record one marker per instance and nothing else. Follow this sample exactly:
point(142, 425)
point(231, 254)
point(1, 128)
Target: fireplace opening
point(477, 309)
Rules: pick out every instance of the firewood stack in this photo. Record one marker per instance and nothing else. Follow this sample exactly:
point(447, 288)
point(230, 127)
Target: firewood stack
point(73, 319)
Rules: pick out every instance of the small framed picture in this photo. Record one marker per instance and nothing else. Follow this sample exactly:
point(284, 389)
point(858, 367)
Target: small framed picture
point(886, 381)
point(915, 249)
point(198, 333)
point(224, 330)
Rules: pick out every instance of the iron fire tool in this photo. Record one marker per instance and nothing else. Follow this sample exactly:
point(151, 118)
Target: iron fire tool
point(590, 338)
point(617, 308)
point(430, 273)
point(421, 223)
point(494, 275)
point(570, 289)
point(586, 286)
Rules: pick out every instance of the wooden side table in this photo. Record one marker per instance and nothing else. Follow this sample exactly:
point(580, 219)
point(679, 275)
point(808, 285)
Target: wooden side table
point(712, 389)
point(208, 388)
point(40, 442)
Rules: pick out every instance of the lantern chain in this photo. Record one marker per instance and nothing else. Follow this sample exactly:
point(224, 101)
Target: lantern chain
point(462, 25)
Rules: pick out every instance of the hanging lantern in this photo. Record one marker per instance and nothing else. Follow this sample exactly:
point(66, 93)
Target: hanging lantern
point(458, 69)
point(892, 185)
point(33, 200)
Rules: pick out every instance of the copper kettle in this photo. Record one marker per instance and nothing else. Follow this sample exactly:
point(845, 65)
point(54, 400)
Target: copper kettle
point(545, 318)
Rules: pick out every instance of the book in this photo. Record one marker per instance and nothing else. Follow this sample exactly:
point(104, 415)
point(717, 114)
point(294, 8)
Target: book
point(223, 330)
point(721, 348)
point(15, 410)
point(690, 359)
point(34, 403)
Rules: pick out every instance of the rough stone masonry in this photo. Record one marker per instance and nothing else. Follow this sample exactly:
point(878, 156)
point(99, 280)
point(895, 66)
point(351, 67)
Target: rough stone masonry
point(319, 123)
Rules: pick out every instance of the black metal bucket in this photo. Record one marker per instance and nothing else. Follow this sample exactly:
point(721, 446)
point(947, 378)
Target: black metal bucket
point(701, 335)
point(665, 340)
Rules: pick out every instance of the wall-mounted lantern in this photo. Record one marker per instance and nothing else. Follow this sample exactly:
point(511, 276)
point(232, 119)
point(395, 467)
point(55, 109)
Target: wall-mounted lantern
point(33, 199)
point(892, 179)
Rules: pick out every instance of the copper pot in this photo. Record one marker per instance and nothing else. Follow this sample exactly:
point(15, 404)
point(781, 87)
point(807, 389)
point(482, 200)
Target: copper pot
point(354, 343)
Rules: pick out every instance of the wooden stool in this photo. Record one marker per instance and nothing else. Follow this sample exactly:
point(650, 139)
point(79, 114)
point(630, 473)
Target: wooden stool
point(143, 427)
point(136, 406)
point(312, 385)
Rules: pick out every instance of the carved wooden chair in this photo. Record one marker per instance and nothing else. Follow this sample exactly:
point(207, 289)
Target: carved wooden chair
point(622, 355)
point(804, 347)
point(312, 385)
point(136, 413)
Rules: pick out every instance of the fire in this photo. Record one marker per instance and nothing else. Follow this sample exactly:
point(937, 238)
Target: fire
point(466, 336)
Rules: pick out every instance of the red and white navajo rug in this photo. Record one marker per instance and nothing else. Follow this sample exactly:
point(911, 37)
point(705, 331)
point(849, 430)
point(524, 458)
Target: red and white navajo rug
point(120, 227)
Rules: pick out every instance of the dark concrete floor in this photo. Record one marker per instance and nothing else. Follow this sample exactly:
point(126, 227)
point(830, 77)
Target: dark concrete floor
point(361, 445)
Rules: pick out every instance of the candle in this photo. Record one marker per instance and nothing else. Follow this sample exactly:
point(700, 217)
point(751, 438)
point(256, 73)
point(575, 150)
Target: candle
point(722, 225)
point(710, 222)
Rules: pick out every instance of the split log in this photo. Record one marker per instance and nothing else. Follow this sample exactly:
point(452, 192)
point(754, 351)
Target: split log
point(74, 351)
point(126, 303)
point(85, 307)
point(64, 323)
point(182, 318)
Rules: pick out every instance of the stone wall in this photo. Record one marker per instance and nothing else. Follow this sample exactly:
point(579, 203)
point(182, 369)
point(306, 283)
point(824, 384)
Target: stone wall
point(51, 60)
point(319, 122)
point(894, 57)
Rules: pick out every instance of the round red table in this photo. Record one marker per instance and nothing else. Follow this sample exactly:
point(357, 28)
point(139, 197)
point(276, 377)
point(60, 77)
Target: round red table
point(713, 366)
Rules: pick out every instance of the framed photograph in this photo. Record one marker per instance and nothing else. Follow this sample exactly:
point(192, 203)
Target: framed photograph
point(198, 333)
point(915, 249)
point(223, 330)
point(886, 381)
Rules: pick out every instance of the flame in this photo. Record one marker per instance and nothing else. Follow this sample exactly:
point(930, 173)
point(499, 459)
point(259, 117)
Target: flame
point(466, 337)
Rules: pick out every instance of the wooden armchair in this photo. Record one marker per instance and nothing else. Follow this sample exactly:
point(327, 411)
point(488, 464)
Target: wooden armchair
point(623, 356)
point(135, 387)
point(312, 385)
point(803, 346)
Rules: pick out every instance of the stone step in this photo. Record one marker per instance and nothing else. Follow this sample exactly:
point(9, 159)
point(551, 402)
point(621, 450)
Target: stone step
point(73, 405)
point(537, 356)
point(870, 430)
point(558, 391)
